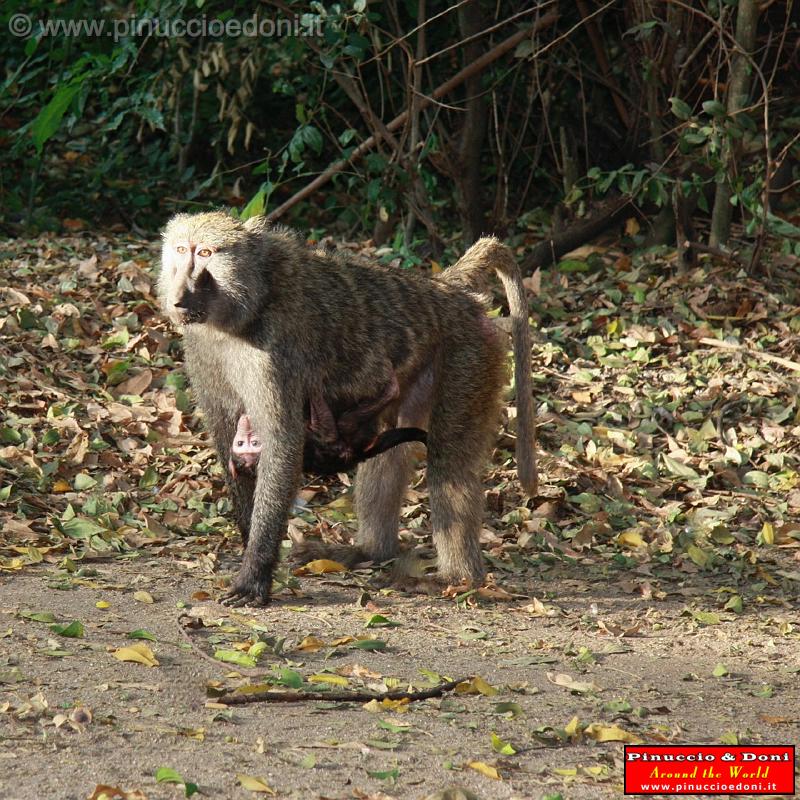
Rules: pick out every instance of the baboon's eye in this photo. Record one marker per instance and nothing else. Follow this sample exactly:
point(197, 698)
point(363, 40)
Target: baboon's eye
point(180, 248)
point(254, 443)
point(204, 253)
point(240, 443)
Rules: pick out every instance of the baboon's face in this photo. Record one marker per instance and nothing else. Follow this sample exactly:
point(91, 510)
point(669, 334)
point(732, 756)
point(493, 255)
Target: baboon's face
point(192, 282)
point(246, 443)
point(197, 282)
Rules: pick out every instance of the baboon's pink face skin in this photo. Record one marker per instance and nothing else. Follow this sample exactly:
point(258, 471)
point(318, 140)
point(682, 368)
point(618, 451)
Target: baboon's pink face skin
point(246, 447)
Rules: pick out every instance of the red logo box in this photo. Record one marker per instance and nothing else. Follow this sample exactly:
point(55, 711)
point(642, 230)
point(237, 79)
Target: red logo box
point(709, 769)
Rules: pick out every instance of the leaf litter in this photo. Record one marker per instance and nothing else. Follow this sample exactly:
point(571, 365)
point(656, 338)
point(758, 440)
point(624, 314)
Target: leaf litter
point(668, 443)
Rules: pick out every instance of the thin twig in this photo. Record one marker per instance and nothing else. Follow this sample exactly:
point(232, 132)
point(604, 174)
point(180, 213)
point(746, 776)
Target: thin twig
point(410, 33)
point(720, 252)
point(478, 35)
point(596, 39)
point(794, 366)
point(471, 69)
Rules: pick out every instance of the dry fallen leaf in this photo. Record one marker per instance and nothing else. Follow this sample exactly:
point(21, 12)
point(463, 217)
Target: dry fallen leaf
point(310, 644)
point(320, 566)
point(138, 652)
point(538, 609)
point(610, 733)
point(379, 706)
point(476, 685)
point(253, 784)
point(485, 769)
point(104, 792)
point(568, 682)
point(136, 384)
point(333, 680)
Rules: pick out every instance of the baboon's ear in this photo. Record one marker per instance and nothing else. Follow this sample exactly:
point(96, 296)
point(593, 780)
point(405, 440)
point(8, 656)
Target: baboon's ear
point(256, 223)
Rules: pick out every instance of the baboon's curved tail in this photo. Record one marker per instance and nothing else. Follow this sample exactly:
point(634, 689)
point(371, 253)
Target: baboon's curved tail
point(471, 272)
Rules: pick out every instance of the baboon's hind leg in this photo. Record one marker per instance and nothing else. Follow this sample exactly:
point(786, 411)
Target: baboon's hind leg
point(381, 483)
point(380, 487)
point(456, 515)
point(463, 428)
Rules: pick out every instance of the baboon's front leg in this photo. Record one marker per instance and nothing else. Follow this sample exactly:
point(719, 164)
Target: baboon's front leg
point(278, 415)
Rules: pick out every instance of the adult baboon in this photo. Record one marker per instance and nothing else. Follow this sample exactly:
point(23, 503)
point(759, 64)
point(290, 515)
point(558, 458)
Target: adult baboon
point(268, 323)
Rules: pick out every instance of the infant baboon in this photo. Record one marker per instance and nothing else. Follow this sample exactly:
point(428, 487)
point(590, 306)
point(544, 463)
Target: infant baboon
point(333, 444)
point(267, 322)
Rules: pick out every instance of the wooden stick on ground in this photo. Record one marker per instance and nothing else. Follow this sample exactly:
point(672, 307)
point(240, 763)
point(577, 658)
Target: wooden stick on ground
point(355, 696)
point(550, 250)
point(232, 698)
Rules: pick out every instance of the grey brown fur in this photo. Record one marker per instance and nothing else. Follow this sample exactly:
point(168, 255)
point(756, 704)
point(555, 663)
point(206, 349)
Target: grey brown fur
point(267, 323)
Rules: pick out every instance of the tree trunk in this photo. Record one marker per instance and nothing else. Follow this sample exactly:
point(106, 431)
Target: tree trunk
point(737, 95)
point(473, 133)
point(415, 191)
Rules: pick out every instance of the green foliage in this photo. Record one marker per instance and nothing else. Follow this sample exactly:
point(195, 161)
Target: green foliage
point(128, 118)
point(697, 133)
point(120, 114)
point(105, 126)
point(49, 118)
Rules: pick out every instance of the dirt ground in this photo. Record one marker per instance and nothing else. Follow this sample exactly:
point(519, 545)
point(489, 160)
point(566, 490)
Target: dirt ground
point(646, 666)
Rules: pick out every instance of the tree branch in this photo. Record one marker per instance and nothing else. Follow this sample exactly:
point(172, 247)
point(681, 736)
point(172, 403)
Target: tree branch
point(550, 250)
point(472, 69)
